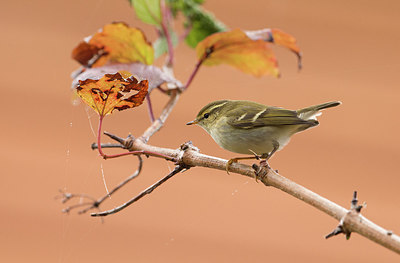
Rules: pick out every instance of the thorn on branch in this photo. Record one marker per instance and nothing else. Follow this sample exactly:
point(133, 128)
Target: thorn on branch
point(341, 229)
point(354, 203)
point(94, 145)
point(338, 230)
point(118, 139)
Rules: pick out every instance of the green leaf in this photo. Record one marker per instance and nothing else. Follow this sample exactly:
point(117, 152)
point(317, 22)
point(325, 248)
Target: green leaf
point(161, 46)
point(200, 22)
point(148, 11)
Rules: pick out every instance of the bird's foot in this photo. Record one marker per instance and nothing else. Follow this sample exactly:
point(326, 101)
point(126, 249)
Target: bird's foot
point(228, 164)
point(258, 169)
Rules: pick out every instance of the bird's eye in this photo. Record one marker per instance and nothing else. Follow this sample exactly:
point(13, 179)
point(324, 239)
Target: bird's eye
point(206, 115)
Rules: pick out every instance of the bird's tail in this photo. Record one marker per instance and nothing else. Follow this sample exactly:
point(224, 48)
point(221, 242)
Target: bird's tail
point(311, 113)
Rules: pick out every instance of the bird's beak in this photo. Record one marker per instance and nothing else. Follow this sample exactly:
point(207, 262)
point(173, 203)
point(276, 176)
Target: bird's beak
point(192, 122)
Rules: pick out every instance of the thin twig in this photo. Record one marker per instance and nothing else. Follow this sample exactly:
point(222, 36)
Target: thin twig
point(174, 97)
point(165, 91)
point(147, 191)
point(107, 145)
point(191, 77)
point(94, 204)
point(65, 197)
point(158, 123)
point(147, 153)
point(206, 54)
point(165, 28)
point(69, 208)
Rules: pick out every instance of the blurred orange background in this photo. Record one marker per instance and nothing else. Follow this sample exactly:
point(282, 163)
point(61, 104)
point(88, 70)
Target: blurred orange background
point(351, 53)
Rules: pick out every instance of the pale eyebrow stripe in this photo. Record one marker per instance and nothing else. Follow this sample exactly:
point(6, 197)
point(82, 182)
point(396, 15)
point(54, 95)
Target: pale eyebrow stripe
point(258, 115)
point(216, 106)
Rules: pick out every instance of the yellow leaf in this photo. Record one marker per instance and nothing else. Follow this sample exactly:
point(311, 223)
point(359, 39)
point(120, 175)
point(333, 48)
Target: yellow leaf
point(116, 42)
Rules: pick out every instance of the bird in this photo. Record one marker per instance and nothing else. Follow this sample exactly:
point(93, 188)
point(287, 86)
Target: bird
point(247, 127)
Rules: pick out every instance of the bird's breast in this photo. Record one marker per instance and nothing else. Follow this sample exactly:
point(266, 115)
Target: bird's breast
point(245, 141)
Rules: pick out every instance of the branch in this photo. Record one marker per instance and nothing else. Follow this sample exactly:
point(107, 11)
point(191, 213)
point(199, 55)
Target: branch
point(158, 123)
point(147, 191)
point(93, 203)
point(189, 156)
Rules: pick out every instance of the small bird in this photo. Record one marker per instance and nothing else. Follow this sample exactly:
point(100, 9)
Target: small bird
point(248, 127)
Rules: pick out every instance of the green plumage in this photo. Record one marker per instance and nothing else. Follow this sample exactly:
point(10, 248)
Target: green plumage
point(248, 127)
point(257, 115)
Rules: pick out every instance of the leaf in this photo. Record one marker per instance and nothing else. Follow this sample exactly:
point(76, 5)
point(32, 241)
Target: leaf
point(200, 22)
point(278, 37)
point(238, 50)
point(161, 46)
point(202, 28)
point(155, 76)
point(116, 42)
point(148, 11)
point(113, 91)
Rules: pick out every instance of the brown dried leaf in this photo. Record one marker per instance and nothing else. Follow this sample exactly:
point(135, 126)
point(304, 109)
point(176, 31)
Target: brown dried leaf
point(153, 74)
point(113, 91)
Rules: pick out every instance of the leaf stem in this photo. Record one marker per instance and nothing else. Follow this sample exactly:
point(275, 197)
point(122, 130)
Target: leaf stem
point(150, 108)
point(105, 156)
point(101, 117)
point(191, 77)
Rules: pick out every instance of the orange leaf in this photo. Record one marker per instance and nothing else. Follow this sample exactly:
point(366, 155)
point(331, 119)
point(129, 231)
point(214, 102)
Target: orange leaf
point(286, 40)
point(238, 50)
point(155, 75)
point(278, 37)
point(113, 91)
point(116, 42)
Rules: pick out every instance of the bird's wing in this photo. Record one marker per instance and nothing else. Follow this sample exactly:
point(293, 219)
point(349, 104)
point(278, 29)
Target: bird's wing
point(247, 118)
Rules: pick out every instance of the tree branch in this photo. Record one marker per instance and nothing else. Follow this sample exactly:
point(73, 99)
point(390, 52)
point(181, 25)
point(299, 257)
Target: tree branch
point(147, 191)
point(353, 221)
point(158, 123)
point(95, 203)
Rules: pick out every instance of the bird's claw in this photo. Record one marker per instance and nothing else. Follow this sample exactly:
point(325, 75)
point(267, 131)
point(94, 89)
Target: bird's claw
point(258, 169)
point(228, 164)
